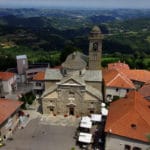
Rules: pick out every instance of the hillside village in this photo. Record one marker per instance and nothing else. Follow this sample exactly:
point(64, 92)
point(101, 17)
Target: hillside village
point(110, 105)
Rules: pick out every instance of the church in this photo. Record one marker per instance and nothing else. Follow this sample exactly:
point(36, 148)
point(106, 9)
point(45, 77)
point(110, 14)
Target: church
point(76, 88)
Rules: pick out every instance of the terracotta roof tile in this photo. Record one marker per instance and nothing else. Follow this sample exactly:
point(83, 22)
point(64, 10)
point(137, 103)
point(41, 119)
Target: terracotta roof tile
point(6, 75)
point(132, 74)
point(113, 78)
point(129, 117)
point(137, 75)
point(40, 76)
point(7, 108)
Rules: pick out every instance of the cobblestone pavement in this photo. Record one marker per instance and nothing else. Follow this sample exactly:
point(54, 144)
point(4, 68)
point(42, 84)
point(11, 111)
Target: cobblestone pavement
point(60, 120)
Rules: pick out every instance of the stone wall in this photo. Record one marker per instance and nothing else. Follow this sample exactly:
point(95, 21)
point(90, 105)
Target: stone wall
point(8, 127)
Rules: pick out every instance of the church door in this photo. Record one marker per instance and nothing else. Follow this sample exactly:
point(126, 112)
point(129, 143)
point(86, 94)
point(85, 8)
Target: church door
point(71, 110)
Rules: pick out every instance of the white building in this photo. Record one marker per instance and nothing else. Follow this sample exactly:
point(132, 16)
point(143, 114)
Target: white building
point(116, 85)
point(128, 124)
point(8, 83)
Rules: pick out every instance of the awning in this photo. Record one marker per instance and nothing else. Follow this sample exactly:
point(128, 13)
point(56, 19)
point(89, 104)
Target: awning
point(85, 119)
point(96, 117)
point(104, 111)
point(86, 125)
point(85, 137)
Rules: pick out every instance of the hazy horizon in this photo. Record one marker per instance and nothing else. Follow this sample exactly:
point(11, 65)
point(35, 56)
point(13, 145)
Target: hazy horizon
point(133, 4)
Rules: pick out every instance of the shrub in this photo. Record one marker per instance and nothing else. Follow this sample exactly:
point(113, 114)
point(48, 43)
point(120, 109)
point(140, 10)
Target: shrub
point(27, 98)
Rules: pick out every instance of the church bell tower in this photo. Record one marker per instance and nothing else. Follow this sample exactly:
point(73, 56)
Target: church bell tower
point(95, 48)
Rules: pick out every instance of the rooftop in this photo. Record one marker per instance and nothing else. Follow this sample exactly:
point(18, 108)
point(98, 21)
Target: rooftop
point(6, 75)
point(40, 76)
point(113, 78)
point(132, 74)
point(133, 119)
point(75, 61)
point(137, 75)
point(96, 29)
point(7, 108)
point(21, 57)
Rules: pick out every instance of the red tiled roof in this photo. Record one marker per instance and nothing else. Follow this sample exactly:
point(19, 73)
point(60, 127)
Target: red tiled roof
point(132, 74)
point(40, 76)
point(7, 108)
point(129, 117)
point(6, 75)
point(137, 75)
point(113, 78)
point(145, 90)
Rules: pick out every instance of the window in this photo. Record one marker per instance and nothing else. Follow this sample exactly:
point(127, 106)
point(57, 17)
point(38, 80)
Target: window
point(136, 148)
point(127, 90)
point(38, 84)
point(127, 147)
point(51, 108)
point(80, 72)
point(95, 46)
point(91, 105)
point(71, 93)
point(133, 126)
point(117, 90)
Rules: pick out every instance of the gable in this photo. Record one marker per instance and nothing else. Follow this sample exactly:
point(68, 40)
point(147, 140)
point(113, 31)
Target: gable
point(72, 82)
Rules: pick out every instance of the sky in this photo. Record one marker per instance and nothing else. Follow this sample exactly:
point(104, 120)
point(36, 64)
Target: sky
point(76, 3)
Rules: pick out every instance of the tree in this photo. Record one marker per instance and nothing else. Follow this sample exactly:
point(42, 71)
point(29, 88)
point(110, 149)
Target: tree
point(68, 50)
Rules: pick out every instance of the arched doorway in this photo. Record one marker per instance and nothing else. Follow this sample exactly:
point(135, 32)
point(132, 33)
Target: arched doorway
point(71, 108)
point(71, 111)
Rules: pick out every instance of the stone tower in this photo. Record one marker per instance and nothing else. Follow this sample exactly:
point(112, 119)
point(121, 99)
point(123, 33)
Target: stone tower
point(95, 48)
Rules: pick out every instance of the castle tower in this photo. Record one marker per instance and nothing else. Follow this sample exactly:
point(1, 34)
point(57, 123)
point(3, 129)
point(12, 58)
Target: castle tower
point(95, 48)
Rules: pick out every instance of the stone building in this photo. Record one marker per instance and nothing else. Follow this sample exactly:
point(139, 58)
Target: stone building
point(74, 89)
point(95, 49)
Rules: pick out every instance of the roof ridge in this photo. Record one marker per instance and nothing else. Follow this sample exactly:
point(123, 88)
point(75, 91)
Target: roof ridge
point(112, 79)
point(127, 81)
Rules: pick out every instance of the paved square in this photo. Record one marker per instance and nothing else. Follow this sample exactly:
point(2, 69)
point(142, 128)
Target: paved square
point(37, 136)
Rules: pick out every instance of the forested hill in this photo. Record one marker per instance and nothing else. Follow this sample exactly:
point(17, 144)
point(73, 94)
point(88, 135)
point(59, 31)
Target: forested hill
point(49, 36)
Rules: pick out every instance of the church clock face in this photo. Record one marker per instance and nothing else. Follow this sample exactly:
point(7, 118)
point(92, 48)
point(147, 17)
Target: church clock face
point(95, 46)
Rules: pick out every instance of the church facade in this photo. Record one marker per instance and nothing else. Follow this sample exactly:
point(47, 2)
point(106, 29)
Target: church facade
point(74, 89)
